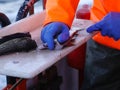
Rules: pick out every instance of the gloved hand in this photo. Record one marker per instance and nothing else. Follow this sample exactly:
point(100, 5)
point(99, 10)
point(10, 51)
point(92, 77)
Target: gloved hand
point(109, 25)
point(53, 30)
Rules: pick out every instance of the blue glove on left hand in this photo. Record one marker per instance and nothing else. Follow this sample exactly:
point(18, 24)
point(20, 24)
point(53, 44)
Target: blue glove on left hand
point(109, 25)
point(53, 30)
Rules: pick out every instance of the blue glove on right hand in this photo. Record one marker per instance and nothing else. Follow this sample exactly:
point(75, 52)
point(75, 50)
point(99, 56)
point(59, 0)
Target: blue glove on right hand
point(53, 30)
point(109, 25)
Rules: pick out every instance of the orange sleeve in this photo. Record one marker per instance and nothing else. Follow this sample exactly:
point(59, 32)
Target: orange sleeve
point(61, 10)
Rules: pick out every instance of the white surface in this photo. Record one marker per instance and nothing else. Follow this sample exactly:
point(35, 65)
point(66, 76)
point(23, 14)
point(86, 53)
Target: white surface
point(28, 65)
point(28, 24)
point(11, 12)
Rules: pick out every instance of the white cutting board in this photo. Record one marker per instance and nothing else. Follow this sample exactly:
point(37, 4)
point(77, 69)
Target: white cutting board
point(30, 64)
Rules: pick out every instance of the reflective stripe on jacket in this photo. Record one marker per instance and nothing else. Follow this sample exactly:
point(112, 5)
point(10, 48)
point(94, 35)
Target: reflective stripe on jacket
point(99, 10)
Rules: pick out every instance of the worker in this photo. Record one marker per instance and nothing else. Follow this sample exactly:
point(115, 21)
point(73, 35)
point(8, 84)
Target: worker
point(102, 63)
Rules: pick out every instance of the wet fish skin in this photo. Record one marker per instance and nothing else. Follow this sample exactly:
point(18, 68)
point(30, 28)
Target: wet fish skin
point(23, 44)
point(13, 36)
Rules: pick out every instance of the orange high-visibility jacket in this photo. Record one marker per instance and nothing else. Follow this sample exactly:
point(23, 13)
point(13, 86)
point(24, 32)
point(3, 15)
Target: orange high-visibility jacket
point(64, 11)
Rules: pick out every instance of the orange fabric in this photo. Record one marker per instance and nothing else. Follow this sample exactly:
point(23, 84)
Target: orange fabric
point(110, 42)
point(64, 11)
point(99, 10)
point(60, 10)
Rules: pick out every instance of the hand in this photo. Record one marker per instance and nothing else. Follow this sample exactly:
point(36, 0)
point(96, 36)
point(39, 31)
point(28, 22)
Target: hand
point(53, 30)
point(109, 25)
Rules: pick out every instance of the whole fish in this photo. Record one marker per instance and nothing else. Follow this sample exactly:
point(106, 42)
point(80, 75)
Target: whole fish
point(21, 43)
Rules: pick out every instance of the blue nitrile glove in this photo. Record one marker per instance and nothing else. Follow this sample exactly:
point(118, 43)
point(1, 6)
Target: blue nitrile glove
point(109, 25)
point(53, 30)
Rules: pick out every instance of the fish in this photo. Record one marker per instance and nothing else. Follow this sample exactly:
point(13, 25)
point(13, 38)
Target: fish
point(19, 44)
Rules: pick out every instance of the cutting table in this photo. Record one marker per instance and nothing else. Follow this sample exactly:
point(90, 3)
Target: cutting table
point(29, 64)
